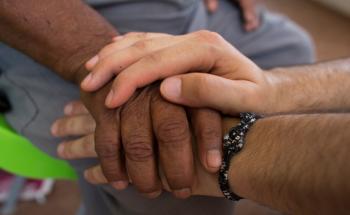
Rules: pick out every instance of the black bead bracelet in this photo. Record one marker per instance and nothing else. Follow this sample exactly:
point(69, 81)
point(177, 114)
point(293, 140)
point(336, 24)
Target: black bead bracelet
point(233, 143)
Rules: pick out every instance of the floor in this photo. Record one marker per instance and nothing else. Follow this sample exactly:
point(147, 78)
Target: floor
point(331, 34)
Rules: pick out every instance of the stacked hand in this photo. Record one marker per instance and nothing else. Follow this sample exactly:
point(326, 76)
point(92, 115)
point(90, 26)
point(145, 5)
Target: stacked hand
point(125, 139)
point(234, 83)
point(121, 70)
point(79, 122)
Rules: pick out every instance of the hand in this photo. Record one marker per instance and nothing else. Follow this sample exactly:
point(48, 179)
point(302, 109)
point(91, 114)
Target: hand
point(145, 111)
point(235, 84)
point(249, 12)
point(79, 122)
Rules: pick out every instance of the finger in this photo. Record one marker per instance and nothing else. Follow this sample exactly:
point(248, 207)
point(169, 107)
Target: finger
point(212, 5)
point(108, 149)
point(95, 175)
point(251, 20)
point(138, 141)
point(158, 65)
point(208, 133)
point(119, 43)
point(207, 90)
point(83, 147)
point(115, 60)
point(174, 144)
point(75, 108)
point(74, 125)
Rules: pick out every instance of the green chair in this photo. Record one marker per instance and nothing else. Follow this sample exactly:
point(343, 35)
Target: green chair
point(19, 157)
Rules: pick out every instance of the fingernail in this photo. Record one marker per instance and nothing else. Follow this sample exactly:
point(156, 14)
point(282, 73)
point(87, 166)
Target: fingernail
point(172, 88)
point(87, 80)
point(120, 185)
point(54, 129)
point(109, 98)
point(92, 62)
point(214, 158)
point(60, 150)
point(182, 193)
point(68, 109)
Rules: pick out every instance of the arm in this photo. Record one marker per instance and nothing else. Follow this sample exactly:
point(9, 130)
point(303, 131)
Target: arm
point(236, 84)
point(61, 34)
point(297, 164)
point(322, 87)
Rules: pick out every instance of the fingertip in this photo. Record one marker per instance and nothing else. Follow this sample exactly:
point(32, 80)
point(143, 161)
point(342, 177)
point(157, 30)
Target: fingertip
point(54, 129)
point(120, 185)
point(60, 150)
point(89, 83)
point(170, 88)
point(213, 160)
point(110, 101)
point(182, 193)
point(68, 109)
point(117, 38)
point(88, 176)
point(90, 64)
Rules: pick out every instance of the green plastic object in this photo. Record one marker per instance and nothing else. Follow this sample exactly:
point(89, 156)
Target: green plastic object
point(18, 156)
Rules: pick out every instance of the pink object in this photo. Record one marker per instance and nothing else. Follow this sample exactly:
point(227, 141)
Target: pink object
point(32, 190)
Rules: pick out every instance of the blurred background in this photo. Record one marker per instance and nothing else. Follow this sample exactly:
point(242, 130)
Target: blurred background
point(328, 22)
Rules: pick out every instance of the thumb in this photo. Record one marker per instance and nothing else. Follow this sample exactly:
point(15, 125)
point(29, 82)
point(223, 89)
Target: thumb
point(207, 90)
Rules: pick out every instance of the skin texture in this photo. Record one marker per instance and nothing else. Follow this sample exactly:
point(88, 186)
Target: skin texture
point(58, 34)
point(294, 163)
point(286, 164)
point(236, 84)
point(202, 51)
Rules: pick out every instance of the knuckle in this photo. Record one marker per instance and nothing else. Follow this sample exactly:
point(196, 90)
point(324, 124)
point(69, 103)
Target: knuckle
point(87, 125)
point(142, 35)
point(173, 133)
point(107, 150)
point(201, 86)
point(67, 150)
point(138, 148)
point(137, 35)
point(209, 133)
point(153, 58)
point(64, 126)
point(209, 36)
point(141, 45)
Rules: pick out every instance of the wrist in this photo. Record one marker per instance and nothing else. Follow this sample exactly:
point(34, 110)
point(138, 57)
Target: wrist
point(272, 93)
point(72, 67)
point(240, 157)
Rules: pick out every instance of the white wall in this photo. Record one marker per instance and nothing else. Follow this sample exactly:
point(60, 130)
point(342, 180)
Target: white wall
point(340, 5)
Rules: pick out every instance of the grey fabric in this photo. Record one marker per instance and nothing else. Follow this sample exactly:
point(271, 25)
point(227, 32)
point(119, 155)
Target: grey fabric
point(103, 2)
point(38, 95)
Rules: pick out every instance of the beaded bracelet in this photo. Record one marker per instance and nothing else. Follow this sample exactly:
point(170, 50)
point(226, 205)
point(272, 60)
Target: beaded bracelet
point(233, 143)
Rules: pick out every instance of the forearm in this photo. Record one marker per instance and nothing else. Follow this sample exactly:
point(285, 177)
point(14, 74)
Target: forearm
point(60, 34)
point(322, 87)
point(298, 164)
